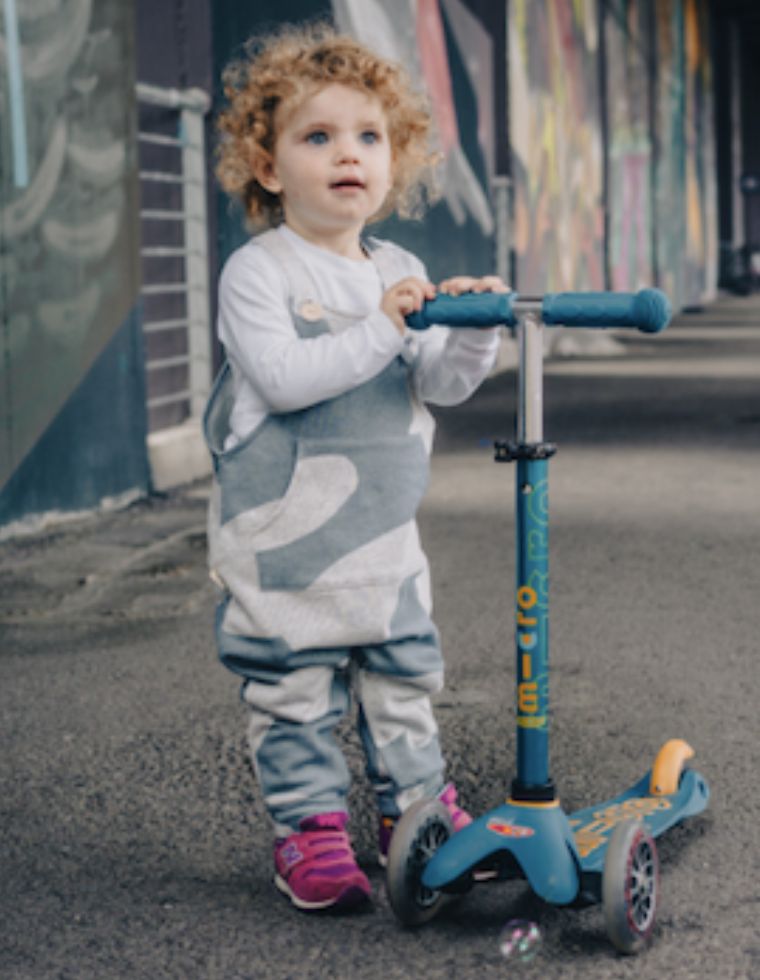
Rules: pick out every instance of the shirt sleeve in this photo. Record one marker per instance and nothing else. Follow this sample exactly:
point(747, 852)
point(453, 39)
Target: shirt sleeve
point(289, 372)
point(451, 363)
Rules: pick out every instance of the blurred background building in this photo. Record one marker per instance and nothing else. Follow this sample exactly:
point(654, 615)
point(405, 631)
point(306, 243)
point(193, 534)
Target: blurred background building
point(600, 144)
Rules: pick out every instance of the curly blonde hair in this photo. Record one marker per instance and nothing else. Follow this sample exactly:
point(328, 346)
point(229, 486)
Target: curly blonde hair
point(280, 71)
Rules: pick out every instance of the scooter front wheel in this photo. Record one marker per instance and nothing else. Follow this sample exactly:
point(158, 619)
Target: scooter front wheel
point(630, 886)
point(420, 832)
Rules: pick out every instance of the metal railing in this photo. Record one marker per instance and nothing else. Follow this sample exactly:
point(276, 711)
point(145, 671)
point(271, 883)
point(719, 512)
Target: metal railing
point(189, 244)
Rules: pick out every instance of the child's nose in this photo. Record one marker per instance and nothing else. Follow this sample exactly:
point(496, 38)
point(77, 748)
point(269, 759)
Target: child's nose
point(347, 148)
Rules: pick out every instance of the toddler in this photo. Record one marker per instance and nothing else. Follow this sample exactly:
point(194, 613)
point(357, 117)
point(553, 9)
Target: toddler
point(320, 440)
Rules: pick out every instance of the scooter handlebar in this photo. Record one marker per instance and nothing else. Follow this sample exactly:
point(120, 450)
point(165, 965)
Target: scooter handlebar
point(648, 310)
point(467, 310)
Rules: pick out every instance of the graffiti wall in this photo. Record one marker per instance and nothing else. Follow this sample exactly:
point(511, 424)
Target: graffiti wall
point(68, 242)
point(611, 128)
point(414, 34)
point(629, 69)
point(555, 129)
point(596, 116)
point(700, 251)
point(662, 189)
point(670, 172)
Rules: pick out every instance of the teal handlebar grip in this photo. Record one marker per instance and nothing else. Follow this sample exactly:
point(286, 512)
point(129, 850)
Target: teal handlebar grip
point(648, 310)
point(467, 310)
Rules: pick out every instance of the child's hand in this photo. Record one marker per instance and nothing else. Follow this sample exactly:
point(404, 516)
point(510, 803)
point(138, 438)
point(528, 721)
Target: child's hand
point(468, 284)
point(407, 296)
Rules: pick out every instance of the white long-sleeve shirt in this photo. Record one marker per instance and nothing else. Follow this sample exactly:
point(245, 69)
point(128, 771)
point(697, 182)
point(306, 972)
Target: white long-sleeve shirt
point(275, 370)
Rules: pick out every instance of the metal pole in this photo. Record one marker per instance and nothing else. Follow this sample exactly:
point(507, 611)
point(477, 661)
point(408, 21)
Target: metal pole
point(530, 413)
point(196, 261)
point(532, 599)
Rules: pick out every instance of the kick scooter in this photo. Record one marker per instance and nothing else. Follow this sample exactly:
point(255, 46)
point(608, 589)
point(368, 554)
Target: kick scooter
point(605, 853)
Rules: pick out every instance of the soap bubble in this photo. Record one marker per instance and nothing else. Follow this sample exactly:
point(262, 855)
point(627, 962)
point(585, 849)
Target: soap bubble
point(519, 940)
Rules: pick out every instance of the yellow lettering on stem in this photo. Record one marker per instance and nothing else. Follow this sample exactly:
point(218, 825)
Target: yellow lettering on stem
point(527, 697)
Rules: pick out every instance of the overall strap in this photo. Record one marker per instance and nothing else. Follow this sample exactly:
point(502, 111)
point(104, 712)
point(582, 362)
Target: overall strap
point(300, 278)
point(301, 283)
point(386, 259)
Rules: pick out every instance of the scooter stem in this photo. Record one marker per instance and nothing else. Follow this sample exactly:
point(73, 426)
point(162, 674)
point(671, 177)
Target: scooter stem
point(530, 405)
point(531, 453)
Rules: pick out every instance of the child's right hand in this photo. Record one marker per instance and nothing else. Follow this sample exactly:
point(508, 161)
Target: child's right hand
point(405, 297)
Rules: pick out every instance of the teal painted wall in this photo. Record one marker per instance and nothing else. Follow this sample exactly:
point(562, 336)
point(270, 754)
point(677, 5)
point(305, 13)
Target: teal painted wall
point(72, 418)
point(95, 446)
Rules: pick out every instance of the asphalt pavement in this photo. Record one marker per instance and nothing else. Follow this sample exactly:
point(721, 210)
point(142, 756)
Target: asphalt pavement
point(134, 843)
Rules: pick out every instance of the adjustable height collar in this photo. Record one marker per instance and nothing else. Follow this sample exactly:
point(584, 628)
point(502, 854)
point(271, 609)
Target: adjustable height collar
point(508, 452)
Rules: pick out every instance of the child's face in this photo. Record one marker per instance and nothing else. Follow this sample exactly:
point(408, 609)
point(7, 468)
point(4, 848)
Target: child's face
point(331, 165)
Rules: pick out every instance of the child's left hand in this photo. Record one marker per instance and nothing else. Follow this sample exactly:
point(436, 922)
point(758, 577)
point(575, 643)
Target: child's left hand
point(457, 285)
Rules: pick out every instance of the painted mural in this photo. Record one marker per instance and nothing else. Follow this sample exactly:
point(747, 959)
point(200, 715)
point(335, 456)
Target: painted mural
point(686, 196)
point(68, 192)
point(658, 139)
point(628, 61)
point(701, 182)
point(556, 144)
point(68, 273)
point(413, 34)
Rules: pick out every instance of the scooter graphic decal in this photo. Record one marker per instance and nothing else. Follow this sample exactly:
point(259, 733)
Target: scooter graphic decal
point(593, 835)
point(506, 829)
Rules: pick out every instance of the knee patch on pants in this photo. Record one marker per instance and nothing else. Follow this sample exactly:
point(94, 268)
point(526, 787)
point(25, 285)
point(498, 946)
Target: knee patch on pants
point(400, 734)
point(299, 767)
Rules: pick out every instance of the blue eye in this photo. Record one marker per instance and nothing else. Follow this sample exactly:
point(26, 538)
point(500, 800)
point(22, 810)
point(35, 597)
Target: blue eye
point(318, 137)
point(370, 136)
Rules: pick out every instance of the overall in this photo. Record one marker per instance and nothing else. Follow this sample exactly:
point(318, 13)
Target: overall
point(312, 535)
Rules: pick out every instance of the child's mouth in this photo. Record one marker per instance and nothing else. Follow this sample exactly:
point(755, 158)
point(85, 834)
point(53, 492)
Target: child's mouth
point(347, 184)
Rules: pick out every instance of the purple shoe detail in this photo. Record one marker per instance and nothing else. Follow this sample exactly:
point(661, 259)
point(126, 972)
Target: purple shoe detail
point(316, 868)
point(460, 818)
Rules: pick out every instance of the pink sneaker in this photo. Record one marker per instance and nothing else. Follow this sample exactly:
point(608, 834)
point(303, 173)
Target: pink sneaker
point(448, 797)
point(317, 869)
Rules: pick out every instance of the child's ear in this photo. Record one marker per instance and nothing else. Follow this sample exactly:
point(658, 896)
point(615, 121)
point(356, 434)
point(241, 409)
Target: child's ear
point(265, 174)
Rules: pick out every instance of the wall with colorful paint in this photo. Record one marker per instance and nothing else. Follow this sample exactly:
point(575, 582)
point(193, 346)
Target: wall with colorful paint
point(611, 129)
point(71, 378)
point(605, 138)
point(628, 72)
point(578, 153)
point(686, 233)
point(556, 140)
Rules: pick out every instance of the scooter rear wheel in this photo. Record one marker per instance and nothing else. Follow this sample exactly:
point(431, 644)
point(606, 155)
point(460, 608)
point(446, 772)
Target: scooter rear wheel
point(630, 886)
point(420, 832)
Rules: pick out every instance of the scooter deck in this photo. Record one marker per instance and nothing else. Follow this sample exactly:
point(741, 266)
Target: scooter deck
point(592, 827)
point(560, 855)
